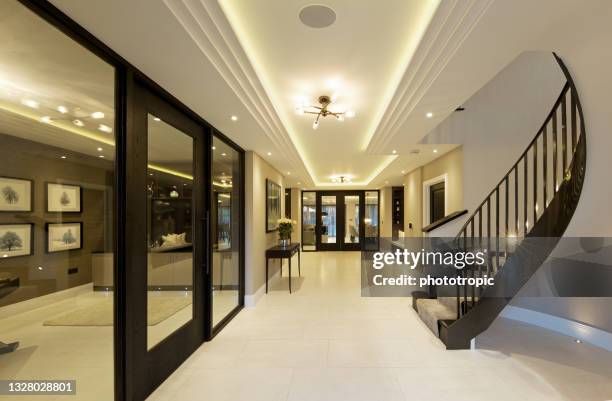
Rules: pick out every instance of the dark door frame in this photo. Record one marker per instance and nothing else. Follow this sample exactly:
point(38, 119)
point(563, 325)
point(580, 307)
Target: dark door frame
point(340, 245)
point(127, 376)
point(153, 366)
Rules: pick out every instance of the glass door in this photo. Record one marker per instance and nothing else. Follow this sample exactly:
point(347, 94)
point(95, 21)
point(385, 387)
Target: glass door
point(167, 205)
point(339, 220)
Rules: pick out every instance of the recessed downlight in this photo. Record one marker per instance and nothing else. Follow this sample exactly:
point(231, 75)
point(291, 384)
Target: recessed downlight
point(269, 153)
point(317, 16)
point(46, 119)
point(105, 128)
point(234, 118)
point(63, 157)
point(30, 103)
point(429, 115)
point(435, 150)
point(156, 119)
point(97, 115)
point(62, 109)
point(78, 122)
point(394, 151)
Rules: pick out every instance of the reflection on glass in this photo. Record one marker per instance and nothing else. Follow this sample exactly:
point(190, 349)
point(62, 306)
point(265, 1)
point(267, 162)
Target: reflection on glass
point(328, 219)
point(169, 230)
point(225, 226)
point(371, 219)
point(56, 207)
point(309, 220)
point(351, 219)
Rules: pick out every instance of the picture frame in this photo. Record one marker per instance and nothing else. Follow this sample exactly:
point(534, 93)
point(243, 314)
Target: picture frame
point(16, 195)
point(273, 205)
point(63, 198)
point(62, 237)
point(16, 239)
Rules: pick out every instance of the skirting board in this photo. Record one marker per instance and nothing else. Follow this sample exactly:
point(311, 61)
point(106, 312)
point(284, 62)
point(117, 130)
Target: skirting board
point(251, 300)
point(580, 331)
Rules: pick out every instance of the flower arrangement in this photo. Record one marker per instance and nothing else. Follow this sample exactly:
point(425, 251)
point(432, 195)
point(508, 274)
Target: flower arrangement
point(285, 228)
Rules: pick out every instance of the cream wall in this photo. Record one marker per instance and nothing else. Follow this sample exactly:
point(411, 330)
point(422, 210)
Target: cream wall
point(385, 209)
point(450, 164)
point(256, 238)
point(296, 214)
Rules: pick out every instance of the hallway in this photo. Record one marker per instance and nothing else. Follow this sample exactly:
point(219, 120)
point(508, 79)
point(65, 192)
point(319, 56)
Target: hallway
point(325, 342)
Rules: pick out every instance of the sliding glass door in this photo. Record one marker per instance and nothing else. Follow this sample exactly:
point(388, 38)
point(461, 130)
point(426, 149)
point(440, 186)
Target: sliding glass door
point(167, 261)
point(339, 222)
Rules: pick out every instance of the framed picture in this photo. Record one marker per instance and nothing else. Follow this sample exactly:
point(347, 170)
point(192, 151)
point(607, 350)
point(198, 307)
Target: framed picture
point(64, 236)
point(273, 205)
point(63, 198)
point(16, 195)
point(16, 240)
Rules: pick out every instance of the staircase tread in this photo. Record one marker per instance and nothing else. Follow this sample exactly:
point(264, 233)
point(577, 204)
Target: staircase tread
point(432, 310)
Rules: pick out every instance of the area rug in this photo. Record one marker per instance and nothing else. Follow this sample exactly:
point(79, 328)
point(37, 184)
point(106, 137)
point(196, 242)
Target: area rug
point(100, 313)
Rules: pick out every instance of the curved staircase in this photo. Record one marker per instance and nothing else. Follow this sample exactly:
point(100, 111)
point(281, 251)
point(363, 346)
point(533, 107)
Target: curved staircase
point(519, 223)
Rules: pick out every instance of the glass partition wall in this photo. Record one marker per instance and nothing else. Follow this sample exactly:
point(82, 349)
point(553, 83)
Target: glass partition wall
point(118, 254)
point(57, 207)
point(226, 217)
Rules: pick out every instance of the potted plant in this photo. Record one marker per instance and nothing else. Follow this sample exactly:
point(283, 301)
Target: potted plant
point(285, 228)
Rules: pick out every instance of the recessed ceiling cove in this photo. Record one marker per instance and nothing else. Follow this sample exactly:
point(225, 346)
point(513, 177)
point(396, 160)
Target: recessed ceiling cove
point(317, 16)
point(352, 52)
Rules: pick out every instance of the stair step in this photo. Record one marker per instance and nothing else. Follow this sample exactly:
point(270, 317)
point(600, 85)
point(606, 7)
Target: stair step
point(432, 310)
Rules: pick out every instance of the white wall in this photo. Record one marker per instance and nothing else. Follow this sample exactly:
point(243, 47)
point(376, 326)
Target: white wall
point(499, 122)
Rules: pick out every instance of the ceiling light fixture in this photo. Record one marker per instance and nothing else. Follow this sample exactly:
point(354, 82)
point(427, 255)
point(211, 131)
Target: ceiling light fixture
point(46, 119)
point(323, 111)
point(100, 149)
point(62, 109)
point(101, 156)
point(269, 153)
point(63, 157)
point(234, 118)
point(341, 180)
point(223, 154)
point(156, 119)
point(97, 115)
point(429, 115)
point(435, 150)
point(394, 151)
point(78, 122)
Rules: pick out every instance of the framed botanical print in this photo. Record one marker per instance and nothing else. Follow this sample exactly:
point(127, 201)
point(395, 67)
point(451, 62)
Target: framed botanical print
point(64, 236)
point(16, 195)
point(16, 240)
point(63, 198)
point(273, 205)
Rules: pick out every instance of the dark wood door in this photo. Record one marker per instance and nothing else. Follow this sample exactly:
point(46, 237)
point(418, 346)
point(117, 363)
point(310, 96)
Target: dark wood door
point(166, 249)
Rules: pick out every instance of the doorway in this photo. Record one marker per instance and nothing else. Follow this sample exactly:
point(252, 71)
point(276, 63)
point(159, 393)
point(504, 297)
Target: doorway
point(340, 225)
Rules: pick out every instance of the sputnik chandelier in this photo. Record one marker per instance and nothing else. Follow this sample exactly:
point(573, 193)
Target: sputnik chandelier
point(324, 111)
point(341, 180)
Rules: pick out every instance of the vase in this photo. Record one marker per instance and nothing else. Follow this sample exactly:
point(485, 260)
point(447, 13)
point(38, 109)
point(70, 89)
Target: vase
point(284, 241)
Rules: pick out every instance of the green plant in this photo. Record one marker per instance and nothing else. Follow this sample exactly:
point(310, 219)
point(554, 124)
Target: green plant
point(285, 228)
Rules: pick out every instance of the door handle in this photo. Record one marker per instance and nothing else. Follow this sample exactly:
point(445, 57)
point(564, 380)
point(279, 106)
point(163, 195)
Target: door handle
point(205, 234)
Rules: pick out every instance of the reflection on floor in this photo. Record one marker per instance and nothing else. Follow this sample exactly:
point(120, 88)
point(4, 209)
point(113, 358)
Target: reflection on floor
point(325, 342)
point(83, 353)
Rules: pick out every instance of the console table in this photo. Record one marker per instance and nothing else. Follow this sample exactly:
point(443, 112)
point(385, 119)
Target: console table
point(283, 252)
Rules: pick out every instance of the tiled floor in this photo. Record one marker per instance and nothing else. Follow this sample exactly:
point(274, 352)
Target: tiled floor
point(325, 342)
point(80, 353)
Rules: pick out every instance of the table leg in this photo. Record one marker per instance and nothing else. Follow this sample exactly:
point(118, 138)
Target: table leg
point(290, 275)
point(299, 263)
point(267, 274)
point(281, 267)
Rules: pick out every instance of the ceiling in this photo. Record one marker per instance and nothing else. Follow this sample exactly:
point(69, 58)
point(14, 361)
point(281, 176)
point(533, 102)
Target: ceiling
point(390, 61)
point(357, 60)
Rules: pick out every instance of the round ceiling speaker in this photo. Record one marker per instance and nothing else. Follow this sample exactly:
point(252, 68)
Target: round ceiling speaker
point(317, 16)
